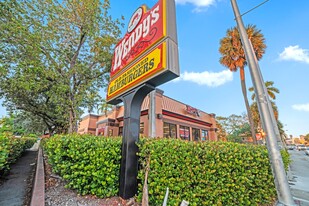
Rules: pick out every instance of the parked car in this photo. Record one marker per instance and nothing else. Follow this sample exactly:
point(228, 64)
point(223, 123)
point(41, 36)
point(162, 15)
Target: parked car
point(301, 147)
point(290, 147)
point(307, 151)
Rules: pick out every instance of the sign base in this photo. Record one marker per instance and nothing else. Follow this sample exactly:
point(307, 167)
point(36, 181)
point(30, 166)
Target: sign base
point(129, 161)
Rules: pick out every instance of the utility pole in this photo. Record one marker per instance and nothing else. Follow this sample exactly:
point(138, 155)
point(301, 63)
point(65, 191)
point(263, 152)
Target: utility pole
point(267, 116)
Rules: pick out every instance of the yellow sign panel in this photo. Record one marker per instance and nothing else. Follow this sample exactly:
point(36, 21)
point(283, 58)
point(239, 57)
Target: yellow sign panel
point(151, 64)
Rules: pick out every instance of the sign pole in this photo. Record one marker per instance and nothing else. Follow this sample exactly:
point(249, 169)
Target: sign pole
point(267, 116)
point(146, 57)
point(129, 161)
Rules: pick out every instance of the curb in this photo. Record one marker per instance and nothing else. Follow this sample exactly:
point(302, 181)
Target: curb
point(38, 192)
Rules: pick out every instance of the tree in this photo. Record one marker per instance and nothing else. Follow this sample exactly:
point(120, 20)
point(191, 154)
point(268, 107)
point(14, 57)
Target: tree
point(241, 134)
point(233, 128)
point(233, 57)
point(7, 125)
point(283, 135)
point(256, 115)
point(55, 56)
point(31, 124)
point(307, 138)
point(221, 133)
point(271, 90)
point(21, 124)
point(104, 107)
point(232, 122)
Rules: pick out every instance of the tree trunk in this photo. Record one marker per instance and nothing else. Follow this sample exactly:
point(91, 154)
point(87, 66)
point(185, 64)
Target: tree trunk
point(72, 122)
point(70, 130)
point(244, 92)
point(72, 117)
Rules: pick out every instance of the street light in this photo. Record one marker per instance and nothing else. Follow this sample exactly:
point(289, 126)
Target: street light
point(267, 115)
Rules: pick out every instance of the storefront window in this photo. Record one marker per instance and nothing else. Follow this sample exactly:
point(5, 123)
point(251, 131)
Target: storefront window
point(184, 132)
point(205, 135)
point(196, 134)
point(141, 128)
point(110, 132)
point(120, 131)
point(169, 130)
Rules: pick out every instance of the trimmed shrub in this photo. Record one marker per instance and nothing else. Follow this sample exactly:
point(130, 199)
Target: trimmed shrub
point(285, 158)
point(203, 173)
point(208, 173)
point(11, 149)
point(4, 153)
point(90, 164)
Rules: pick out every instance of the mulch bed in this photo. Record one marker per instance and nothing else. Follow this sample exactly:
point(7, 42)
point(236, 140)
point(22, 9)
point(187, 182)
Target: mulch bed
point(56, 194)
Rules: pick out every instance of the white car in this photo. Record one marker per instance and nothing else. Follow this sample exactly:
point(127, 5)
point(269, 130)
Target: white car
point(301, 147)
point(290, 147)
point(307, 151)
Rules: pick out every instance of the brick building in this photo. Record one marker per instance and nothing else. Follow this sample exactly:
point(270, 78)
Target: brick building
point(161, 116)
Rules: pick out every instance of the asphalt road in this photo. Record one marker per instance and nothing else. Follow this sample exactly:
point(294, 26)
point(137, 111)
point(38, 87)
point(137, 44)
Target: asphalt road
point(299, 176)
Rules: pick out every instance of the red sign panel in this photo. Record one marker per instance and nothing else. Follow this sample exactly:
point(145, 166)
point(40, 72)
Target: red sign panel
point(144, 30)
point(192, 110)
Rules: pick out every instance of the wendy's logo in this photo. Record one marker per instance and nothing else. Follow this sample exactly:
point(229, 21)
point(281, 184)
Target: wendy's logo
point(135, 19)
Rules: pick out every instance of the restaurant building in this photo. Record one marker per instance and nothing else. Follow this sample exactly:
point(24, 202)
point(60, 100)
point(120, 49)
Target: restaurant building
point(161, 116)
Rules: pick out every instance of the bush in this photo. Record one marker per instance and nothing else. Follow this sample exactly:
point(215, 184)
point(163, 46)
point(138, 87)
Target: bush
point(210, 173)
point(4, 153)
point(285, 158)
point(11, 149)
point(90, 164)
point(203, 173)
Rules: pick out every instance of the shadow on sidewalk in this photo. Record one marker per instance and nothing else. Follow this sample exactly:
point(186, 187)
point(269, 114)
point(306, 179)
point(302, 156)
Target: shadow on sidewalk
point(17, 185)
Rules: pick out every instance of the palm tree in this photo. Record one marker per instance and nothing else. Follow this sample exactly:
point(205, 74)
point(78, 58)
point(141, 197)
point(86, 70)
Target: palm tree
point(104, 107)
point(271, 90)
point(256, 115)
point(233, 57)
point(282, 133)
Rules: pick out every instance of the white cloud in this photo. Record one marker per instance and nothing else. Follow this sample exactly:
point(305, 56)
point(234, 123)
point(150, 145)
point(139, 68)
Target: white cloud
point(198, 3)
point(210, 79)
point(295, 53)
point(301, 107)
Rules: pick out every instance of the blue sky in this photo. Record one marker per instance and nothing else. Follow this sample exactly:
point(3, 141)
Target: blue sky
point(207, 85)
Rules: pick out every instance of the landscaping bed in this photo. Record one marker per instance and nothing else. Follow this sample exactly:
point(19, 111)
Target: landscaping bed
point(202, 173)
point(56, 194)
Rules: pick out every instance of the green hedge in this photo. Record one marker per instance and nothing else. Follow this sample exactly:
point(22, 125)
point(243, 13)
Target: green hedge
point(207, 173)
point(90, 164)
point(285, 158)
point(210, 173)
point(10, 150)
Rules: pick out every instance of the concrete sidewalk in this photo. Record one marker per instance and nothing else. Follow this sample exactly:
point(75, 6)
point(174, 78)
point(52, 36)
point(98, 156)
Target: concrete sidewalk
point(300, 194)
point(16, 189)
point(298, 177)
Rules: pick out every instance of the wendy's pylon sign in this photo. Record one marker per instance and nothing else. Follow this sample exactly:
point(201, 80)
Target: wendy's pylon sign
point(146, 57)
point(148, 53)
point(143, 31)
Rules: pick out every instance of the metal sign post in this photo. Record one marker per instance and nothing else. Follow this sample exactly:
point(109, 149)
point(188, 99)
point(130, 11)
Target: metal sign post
point(267, 116)
point(129, 160)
